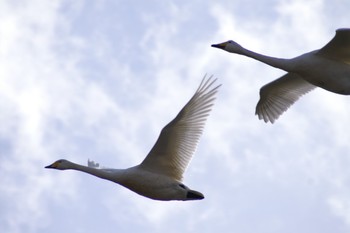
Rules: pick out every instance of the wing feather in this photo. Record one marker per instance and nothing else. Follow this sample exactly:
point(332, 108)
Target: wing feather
point(178, 140)
point(339, 47)
point(277, 96)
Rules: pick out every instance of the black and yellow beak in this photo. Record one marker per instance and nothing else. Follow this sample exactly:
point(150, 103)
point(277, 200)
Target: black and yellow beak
point(54, 165)
point(219, 46)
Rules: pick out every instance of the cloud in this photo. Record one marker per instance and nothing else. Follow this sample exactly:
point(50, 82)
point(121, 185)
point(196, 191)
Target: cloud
point(31, 89)
point(100, 81)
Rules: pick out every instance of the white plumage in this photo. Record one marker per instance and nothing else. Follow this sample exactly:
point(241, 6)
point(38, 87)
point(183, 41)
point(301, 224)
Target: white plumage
point(160, 175)
point(328, 68)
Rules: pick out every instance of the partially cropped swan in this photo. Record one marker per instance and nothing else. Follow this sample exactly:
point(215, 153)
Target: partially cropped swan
point(328, 68)
point(160, 174)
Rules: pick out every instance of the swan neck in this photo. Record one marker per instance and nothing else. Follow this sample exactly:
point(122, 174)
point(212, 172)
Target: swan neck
point(114, 175)
point(279, 63)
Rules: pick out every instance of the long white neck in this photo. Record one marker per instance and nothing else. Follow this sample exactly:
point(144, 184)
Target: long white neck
point(115, 175)
point(280, 63)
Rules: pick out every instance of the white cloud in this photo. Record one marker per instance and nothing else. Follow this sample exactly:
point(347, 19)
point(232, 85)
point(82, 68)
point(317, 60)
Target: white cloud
point(341, 207)
point(31, 86)
point(104, 90)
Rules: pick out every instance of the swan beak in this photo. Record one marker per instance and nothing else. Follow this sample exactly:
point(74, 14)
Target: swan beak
point(194, 195)
point(54, 165)
point(219, 46)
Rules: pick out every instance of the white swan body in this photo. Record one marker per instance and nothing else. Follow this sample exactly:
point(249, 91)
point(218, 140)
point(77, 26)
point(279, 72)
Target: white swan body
point(159, 176)
point(328, 68)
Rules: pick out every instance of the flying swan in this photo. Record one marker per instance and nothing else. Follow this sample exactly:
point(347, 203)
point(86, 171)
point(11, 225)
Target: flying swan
point(328, 68)
point(159, 176)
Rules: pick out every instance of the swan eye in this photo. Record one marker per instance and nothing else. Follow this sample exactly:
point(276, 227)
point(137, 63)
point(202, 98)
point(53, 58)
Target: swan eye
point(182, 186)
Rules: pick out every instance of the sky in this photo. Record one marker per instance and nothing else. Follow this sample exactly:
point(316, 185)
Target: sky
point(99, 79)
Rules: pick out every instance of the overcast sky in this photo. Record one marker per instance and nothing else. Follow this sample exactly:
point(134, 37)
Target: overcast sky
point(99, 79)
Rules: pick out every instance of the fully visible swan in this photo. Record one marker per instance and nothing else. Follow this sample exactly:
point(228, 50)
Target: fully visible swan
point(328, 68)
point(160, 174)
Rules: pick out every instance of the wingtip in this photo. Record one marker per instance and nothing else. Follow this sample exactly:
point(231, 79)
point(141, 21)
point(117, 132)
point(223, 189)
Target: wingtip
point(342, 29)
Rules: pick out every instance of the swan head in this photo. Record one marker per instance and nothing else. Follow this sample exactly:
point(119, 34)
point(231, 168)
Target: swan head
point(229, 46)
point(60, 164)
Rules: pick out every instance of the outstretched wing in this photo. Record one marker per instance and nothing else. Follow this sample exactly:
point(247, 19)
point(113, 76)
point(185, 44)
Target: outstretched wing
point(178, 140)
point(277, 96)
point(339, 47)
